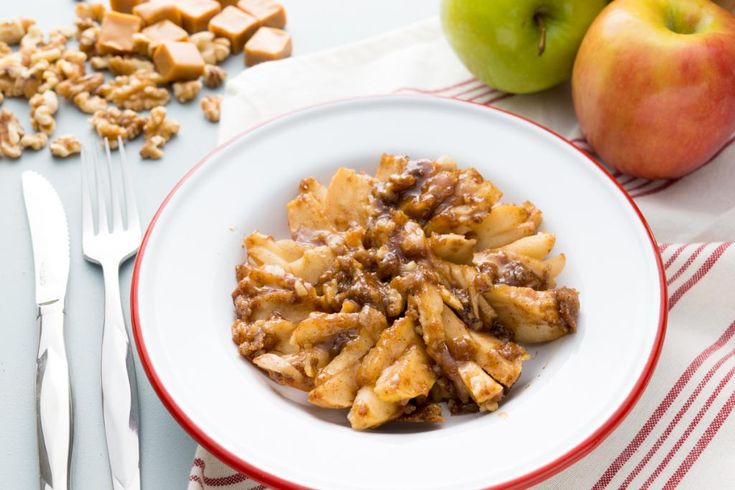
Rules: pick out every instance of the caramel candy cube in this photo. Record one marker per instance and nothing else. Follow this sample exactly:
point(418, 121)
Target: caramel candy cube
point(178, 61)
point(116, 33)
point(158, 10)
point(196, 14)
point(125, 6)
point(235, 25)
point(268, 12)
point(227, 3)
point(165, 31)
point(268, 44)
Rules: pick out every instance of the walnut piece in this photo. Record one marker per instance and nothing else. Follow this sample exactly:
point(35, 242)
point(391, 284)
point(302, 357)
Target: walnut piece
point(127, 65)
point(100, 63)
point(187, 91)
point(88, 40)
point(214, 76)
point(212, 107)
point(35, 141)
point(11, 132)
point(65, 146)
point(152, 149)
point(88, 83)
point(93, 11)
point(88, 103)
point(43, 107)
point(12, 31)
point(213, 49)
point(112, 122)
point(138, 91)
point(158, 130)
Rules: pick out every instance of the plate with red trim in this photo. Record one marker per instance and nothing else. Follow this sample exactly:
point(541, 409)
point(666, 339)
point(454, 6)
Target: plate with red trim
point(570, 396)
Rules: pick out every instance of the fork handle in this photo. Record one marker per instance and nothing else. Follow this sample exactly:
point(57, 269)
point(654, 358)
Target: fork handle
point(119, 390)
point(53, 400)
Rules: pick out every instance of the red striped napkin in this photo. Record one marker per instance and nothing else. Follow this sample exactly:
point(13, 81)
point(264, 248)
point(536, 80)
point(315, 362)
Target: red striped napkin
point(679, 433)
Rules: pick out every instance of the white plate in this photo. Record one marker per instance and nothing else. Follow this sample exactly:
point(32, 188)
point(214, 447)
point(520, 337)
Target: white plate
point(569, 397)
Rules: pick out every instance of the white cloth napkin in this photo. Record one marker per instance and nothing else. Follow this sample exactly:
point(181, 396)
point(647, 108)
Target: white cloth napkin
point(679, 432)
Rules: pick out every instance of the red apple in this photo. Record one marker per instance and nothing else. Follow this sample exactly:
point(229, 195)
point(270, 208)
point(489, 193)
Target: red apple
point(654, 85)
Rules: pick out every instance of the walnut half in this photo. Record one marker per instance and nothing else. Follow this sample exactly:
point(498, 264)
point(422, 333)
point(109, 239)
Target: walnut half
point(211, 106)
point(65, 146)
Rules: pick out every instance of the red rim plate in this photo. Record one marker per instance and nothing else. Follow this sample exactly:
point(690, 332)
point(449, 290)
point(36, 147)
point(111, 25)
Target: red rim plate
point(532, 477)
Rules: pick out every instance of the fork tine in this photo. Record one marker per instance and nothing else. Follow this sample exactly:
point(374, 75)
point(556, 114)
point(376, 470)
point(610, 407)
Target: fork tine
point(131, 210)
point(101, 206)
point(87, 218)
point(117, 222)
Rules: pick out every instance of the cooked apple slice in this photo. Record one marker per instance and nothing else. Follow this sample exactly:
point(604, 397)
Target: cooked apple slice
point(392, 342)
point(348, 199)
point(338, 391)
point(536, 246)
point(410, 376)
point(535, 316)
point(306, 211)
point(505, 224)
point(319, 327)
point(369, 411)
point(501, 360)
point(484, 390)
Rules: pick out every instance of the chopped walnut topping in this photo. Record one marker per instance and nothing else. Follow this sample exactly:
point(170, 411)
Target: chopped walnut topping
point(65, 146)
point(187, 91)
point(213, 49)
point(100, 63)
point(50, 55)
point(143, 45)
point(35, 141)
point(88, 40)
point(211, 106)
point(88, 83)
point(93, 11)
point(127, 65)
point(158, 124)
point(43, 107)
point(214, 76)
point(152, 149)
point(138, 91)
point(11, 132)
point(64, 31)
point(158, 130)
point(12, 31)
point(112, 122)
point(88, 103)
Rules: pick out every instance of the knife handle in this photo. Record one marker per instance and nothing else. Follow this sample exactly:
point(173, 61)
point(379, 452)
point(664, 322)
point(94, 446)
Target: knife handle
point(53, 400)
point(119, 391)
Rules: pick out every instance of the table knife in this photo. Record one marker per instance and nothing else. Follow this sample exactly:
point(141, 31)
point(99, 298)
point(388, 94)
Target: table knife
point(50, 239)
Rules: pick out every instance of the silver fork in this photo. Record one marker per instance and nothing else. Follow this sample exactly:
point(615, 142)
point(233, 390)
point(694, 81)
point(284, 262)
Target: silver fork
point(110, 246)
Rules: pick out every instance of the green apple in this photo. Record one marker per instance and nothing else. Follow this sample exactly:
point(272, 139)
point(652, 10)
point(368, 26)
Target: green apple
point(518, 46)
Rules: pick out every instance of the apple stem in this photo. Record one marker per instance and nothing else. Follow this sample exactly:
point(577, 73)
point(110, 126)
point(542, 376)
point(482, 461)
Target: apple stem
point(539, 19)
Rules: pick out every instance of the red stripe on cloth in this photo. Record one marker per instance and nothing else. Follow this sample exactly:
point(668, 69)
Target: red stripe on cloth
point(661, 409)
point(677, 418)
point(481, 95)
point(701, 272)
point(627, 179)
point(686, 264)
point(690, 428)
point(498, 99)
point(218, 481)
point(641, 185)
point(485, 91)
point(438, 90)
point(675, 255)
point(662, 247)
point(655, 190)
point(702, 443)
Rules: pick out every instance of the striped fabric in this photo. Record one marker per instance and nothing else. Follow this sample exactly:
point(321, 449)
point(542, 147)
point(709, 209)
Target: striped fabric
point(680, 432)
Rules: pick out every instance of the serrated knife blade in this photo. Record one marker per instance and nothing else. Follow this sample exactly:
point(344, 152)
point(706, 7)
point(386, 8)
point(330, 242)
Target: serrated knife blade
point(49, 236)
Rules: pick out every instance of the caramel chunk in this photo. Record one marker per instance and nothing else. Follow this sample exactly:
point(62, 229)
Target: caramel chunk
point(178, 61)
point(125, 6)
point(165, 31)
point(268, 44)
point(268, 12)
point(196, 14)
point(116, 33)
point(235, 25)
point(158, 10)
point(227, 3)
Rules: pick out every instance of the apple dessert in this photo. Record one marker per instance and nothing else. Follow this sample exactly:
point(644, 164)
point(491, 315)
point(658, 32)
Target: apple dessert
point(401, 291)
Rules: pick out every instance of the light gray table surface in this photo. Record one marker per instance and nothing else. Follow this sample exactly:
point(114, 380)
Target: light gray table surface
point(166, 449)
